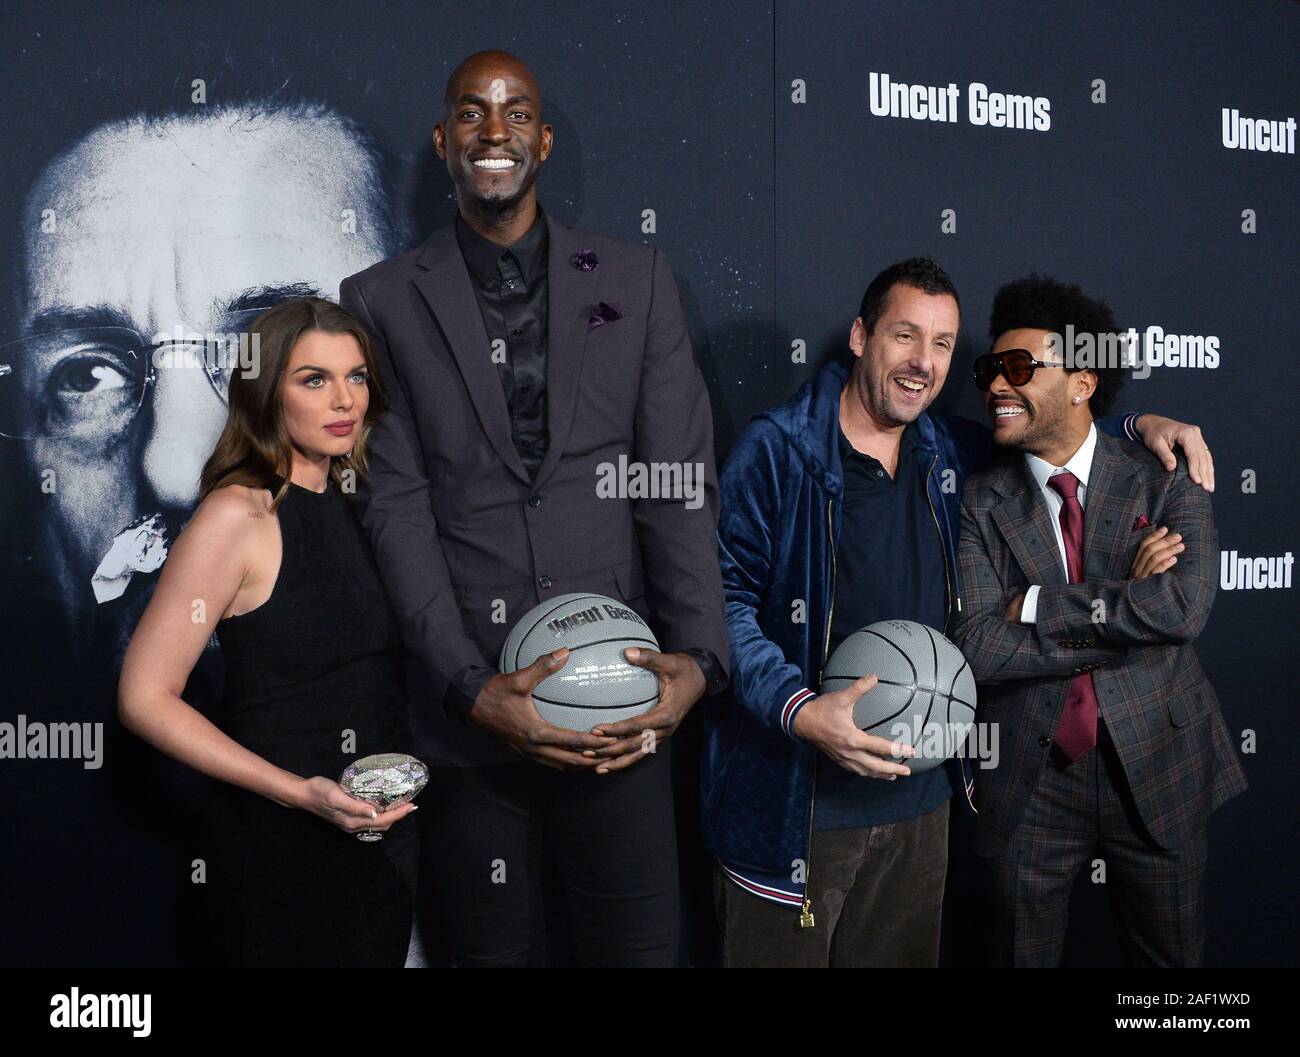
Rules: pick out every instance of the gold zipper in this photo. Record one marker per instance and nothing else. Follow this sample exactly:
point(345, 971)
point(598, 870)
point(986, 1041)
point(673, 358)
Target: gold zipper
point(948, 596)
point(806, 919)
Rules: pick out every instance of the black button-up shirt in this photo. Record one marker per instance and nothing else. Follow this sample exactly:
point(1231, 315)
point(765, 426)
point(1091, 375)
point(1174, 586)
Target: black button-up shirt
point(890, 565)
point(510, 284)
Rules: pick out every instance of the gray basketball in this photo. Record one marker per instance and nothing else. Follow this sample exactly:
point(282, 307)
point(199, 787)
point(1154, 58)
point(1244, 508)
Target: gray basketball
point(925, 694)
point(596, 685)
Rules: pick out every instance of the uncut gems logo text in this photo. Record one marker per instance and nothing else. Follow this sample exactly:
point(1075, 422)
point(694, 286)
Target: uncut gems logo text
point(1274, 135)
point(1239, 572)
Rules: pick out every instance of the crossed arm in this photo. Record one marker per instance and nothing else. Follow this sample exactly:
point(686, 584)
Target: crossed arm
point(1169, 608)
point(1166, 607)
point(998, 650)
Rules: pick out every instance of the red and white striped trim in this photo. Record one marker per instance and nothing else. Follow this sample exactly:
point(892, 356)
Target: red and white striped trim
point(775, 895)
point(795, 702)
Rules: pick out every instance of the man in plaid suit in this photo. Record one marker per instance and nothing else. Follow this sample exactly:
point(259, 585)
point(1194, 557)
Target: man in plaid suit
point(1087, 573)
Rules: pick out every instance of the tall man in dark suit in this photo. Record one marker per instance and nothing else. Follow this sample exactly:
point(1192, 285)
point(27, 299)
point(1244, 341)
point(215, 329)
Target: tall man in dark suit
point(1088, 573)
point(523, 360)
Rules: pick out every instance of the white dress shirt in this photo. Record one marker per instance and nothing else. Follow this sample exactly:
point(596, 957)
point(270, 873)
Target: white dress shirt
point(1079, 465)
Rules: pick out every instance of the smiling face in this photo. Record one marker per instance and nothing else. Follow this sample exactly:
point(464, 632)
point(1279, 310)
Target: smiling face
point(901, 365)
point(1040, 416)
point(492, 137)
point(324, 394)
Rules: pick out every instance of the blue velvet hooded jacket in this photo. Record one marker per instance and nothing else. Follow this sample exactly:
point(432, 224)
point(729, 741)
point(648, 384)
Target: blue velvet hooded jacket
point(778, 535)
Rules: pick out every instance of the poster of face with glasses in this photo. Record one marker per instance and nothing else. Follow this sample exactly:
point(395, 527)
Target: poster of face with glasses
point(150, 222)
point(150, 245)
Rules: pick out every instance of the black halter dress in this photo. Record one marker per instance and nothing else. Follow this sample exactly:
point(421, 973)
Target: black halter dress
point(312, 683)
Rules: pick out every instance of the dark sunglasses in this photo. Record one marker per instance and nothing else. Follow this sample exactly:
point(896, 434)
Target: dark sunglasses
point(1016, 365)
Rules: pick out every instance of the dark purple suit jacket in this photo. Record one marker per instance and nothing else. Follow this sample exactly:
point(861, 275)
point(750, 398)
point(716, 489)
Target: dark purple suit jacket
point(465, 543)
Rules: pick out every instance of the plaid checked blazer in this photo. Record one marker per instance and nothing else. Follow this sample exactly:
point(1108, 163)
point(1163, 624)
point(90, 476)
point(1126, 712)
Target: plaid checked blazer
point(1136, 638)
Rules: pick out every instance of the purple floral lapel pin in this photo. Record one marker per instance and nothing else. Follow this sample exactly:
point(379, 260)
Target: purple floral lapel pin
point(603, 313)
point(585, 260)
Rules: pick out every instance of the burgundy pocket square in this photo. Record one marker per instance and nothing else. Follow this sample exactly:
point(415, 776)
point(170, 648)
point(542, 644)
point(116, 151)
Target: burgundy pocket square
point(1142, 522)
point(604, 313)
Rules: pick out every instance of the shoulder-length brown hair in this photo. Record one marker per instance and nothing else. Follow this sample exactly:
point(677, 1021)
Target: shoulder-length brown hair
point(254, 446)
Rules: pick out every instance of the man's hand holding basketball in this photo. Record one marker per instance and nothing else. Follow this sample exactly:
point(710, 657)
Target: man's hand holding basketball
point(505, 708)
point(827, 722)
point(681, 684)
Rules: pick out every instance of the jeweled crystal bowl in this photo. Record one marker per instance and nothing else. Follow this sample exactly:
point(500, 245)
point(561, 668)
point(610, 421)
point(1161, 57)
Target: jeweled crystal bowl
point(385, 780)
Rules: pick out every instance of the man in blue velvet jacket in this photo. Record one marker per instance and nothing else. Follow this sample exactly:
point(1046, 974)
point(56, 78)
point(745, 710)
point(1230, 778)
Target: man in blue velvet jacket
point(840, 508)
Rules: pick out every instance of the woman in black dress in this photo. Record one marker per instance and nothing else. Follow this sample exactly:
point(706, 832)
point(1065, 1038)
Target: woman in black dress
point(275, 558)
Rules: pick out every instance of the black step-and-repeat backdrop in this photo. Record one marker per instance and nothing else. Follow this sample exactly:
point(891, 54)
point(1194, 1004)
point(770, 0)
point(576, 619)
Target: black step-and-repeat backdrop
point(163, 161)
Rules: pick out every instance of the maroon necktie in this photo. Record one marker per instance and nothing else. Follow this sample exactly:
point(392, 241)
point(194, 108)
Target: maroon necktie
point(1077, 732)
